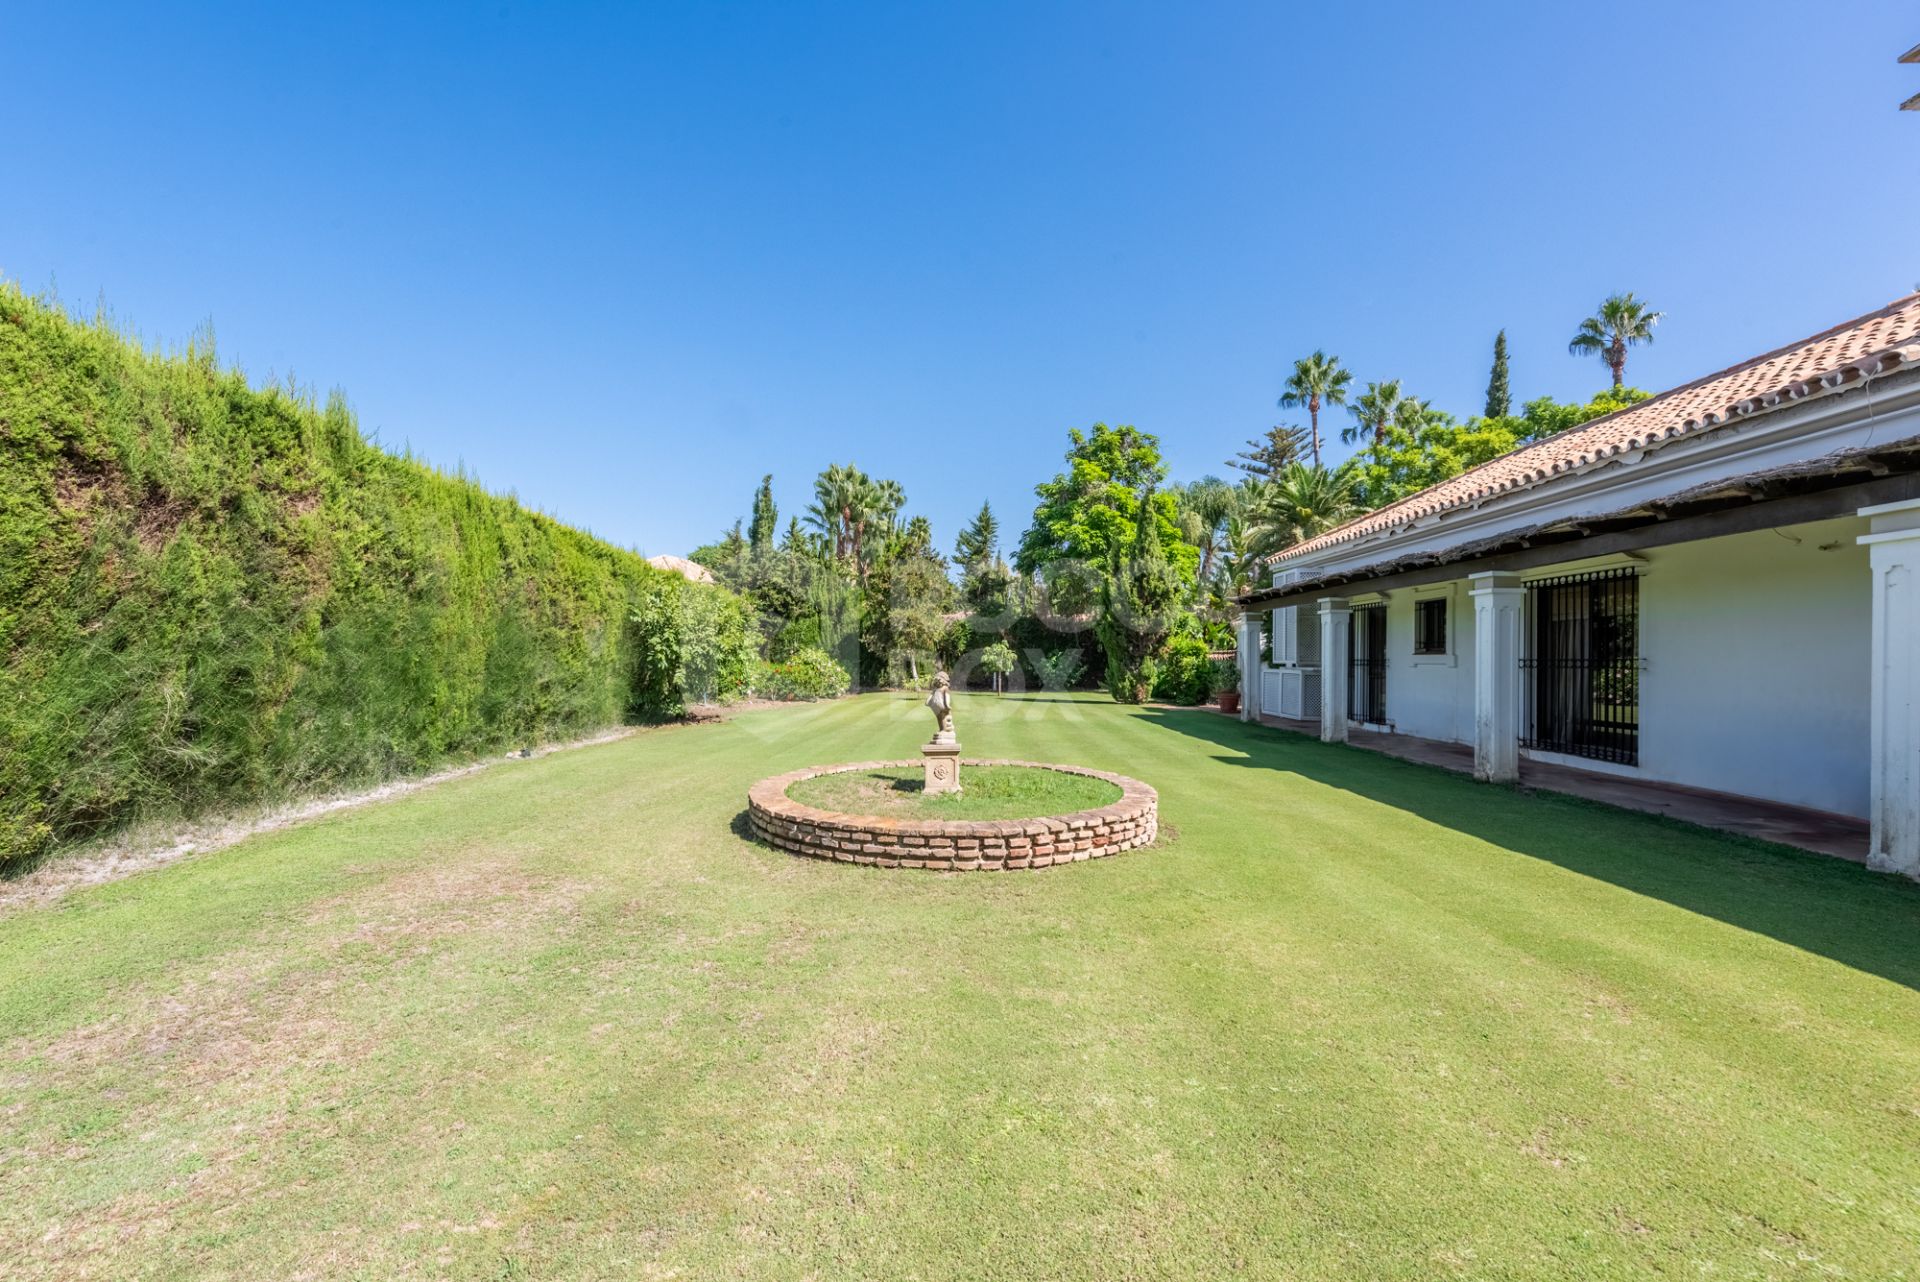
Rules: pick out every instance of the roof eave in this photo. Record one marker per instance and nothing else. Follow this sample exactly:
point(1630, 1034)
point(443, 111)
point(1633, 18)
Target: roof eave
point(1833, 472)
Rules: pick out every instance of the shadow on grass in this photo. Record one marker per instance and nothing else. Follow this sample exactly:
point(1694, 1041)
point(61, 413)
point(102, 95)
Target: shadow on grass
point(1840, 910)
point(742, 827)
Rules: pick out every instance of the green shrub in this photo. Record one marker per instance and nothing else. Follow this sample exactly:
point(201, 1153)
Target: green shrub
point(1185, 673)
point(793, 637)
point(212, 593)
point(692, 643)
point(810, 674)
point(1059, 670)
point(1225, 677)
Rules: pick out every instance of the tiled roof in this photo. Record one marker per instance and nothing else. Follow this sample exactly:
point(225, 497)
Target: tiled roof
point(1870, 345)
point(693, 571)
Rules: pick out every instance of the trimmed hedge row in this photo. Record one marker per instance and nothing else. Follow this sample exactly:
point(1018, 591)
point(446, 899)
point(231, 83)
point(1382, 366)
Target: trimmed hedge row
point(212, 593)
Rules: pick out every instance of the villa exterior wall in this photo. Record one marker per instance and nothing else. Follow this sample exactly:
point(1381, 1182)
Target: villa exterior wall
point(1757, 679)
point(1431, 696)
point(1755, 676)
point(1778, 664)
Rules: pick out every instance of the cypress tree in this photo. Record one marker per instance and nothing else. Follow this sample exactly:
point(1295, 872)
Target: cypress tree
point(1499, 399)
point(766, 518)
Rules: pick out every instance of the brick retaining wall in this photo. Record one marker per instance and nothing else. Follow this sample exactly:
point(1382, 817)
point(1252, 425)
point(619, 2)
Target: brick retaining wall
point(953, 845)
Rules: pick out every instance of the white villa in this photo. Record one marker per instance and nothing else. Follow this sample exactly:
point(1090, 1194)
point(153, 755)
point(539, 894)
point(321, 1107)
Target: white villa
point(1718, 588)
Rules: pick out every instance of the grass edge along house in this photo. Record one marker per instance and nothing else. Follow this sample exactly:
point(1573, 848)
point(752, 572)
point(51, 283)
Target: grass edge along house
point(1717, 588)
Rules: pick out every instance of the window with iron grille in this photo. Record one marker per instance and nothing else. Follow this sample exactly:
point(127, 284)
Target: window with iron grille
point(1430, 626)
point(1582, 671)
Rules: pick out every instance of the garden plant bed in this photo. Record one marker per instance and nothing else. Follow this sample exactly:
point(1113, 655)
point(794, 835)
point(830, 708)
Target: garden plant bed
point(899, 837)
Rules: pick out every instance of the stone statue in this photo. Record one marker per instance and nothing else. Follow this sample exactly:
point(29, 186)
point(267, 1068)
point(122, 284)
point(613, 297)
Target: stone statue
point(941, 754)
point(941, 702)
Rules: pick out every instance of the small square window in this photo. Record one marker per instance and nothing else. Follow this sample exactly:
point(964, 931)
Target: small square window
point(1430, 626)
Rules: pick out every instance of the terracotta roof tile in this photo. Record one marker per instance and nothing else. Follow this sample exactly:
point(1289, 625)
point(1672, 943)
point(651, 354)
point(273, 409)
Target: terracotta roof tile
point(1871, 344)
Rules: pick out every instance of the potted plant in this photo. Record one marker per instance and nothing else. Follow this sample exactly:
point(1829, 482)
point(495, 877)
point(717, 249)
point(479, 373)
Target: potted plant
point(1226, 684)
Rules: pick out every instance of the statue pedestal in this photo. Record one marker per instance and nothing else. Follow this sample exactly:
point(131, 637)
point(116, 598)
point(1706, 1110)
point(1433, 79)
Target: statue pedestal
point(942, 761)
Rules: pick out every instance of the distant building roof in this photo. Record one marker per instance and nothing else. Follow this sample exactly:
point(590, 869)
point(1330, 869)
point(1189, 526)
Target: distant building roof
point(1836, 357)
point(692, 570)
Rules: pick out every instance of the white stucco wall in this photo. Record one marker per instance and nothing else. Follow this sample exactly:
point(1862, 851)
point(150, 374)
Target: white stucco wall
point(1756, 679)
point(1431, 697)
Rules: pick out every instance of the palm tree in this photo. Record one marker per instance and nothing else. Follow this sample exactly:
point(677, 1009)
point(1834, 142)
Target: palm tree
point(1202, 509)
point(1623, 321)
point(1302, 502)
point(856, 513)
point(838, 501)
point(1372, 410)
point(1316, 380)
point(1411, 414)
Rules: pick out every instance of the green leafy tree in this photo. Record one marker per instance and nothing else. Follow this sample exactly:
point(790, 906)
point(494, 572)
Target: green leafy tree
point(1424, 447)
point(998, 661)
point(727, 558)
point(1623, 321)
point(695, 645)
point(907, 596)
point(1140, 599)
point(834, 601)
point(1499, 398)
point(1269, 455)
point(1091, 511)
point(1317, 380)
point(1545, 416)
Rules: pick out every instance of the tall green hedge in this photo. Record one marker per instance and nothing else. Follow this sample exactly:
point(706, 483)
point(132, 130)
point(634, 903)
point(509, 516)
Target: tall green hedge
point(211, 593)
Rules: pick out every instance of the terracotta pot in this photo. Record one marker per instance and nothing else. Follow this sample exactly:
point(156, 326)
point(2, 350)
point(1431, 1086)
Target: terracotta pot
point(1229, 701)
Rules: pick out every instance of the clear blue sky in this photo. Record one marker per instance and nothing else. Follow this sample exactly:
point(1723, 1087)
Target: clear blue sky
point(621, 260)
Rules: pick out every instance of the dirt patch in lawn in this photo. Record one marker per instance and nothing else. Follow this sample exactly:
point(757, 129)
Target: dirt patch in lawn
point(155, 846)
point(278, 1005)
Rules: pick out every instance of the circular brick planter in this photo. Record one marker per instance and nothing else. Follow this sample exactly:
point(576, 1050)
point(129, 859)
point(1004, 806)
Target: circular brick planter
point(953, 845)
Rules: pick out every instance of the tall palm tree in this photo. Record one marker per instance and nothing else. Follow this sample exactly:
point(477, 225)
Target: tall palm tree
point(1302, 502)
point(1622, 322)
point(1372, 410)
point(856, 513)
point(1316, 380)
point(838, 500)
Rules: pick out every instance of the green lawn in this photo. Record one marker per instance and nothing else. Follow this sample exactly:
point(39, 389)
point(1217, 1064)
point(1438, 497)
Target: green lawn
point(986, 792)
point(1352, 1019)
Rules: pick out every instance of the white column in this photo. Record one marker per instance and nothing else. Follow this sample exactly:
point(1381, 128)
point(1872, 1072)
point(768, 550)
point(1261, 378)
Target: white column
point(1336, 625)
point(1893, 549)
point(1249, 645)
point(1499, 616)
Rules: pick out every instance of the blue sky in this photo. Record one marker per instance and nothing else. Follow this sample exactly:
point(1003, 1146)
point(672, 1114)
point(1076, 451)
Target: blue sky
point(622, 260)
